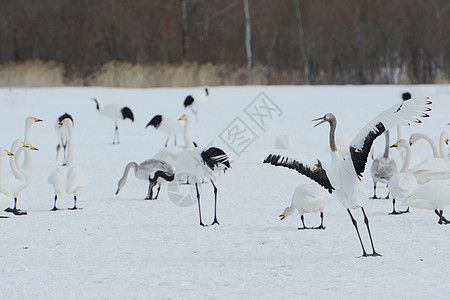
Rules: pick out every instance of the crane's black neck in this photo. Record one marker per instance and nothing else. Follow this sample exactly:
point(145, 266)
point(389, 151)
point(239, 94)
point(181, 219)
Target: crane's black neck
point(164, 175)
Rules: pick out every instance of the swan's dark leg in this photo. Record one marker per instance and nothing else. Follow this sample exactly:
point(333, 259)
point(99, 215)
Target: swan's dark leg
point(321, 222)
point(74, 203)
point(215, 204)
point(14, 210)
point(54, 205)
point(441, 216)
point(366, 220)
point(387, 197)
point(394, 212)
point(405, 211)
point(355, 224)
point(303, 223)
point(374, 191)
point(199, 209)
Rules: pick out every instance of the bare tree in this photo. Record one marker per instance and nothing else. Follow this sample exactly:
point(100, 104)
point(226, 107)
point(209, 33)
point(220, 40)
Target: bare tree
point(248, 38)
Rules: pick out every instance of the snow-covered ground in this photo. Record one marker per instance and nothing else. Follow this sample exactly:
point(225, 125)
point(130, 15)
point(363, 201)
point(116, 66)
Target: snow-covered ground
point(123, 247)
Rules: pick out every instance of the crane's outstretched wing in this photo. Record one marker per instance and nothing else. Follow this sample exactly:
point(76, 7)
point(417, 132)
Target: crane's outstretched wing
point(403, 113)
point(305, 165)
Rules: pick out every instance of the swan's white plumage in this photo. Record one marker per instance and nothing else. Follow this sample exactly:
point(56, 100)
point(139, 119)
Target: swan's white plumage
point(5, 200)
point(432, 195)
point(68, 179)
point(307, 198)
point(437, 167)
point(402, 184)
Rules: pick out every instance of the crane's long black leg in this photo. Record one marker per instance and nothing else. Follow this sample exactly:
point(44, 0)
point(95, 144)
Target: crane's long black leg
point(366, 220)
point(157, 192)
point(199, 209)
point(321, 222)
point(54, 205)
point(374, 192)
point(303, 223)
point(215, 204)
point(355, 224)
point(167, 141)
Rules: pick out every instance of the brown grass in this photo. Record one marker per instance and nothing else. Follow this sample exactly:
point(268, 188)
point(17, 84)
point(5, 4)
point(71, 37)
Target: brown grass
point(35, 73)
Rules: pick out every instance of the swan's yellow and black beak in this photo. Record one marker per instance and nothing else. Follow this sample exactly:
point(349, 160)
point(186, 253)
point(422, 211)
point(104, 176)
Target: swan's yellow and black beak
point(321, 119)
point(117, 191)
point(183, 117)
point(395, 145)
point(282, 216)
point(9, 153)
point(25, 145)
point(32, 147)
point(37, 120)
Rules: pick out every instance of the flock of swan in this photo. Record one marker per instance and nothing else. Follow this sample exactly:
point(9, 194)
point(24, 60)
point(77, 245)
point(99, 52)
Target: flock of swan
point(414, 182)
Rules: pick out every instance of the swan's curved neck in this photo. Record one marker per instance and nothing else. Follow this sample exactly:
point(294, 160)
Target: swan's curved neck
point(442, 141)
point(70, 159)
point(399, 132)
point(15, 169)
point(431, 142)
point(386, 147)
point(130, 165)
point(187, 139)
point(407, 161)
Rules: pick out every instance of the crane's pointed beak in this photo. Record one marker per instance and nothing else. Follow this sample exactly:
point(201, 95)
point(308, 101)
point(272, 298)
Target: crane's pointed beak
point(321, 119)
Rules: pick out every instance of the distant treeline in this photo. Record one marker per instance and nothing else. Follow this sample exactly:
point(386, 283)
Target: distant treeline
point(292, 41)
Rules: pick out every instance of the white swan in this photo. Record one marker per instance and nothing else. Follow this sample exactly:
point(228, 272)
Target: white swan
point(343, 177)
point(307, 198)
point(4, 199)
point(383, 168)
point(168, 125)
point(193, 101)
point(68, 179)
point(27, 163)
point(63, 134)
point(402, 184)
point(435, 167)
point(433, 195)
point(15, 181)
point(145, 170)
point(115, 112)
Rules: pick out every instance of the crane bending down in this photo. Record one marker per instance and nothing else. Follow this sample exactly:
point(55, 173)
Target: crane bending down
point(144, 171)
point(343, 177)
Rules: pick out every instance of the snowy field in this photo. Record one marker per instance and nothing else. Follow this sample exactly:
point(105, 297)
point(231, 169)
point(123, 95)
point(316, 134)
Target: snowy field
point(123, 247)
